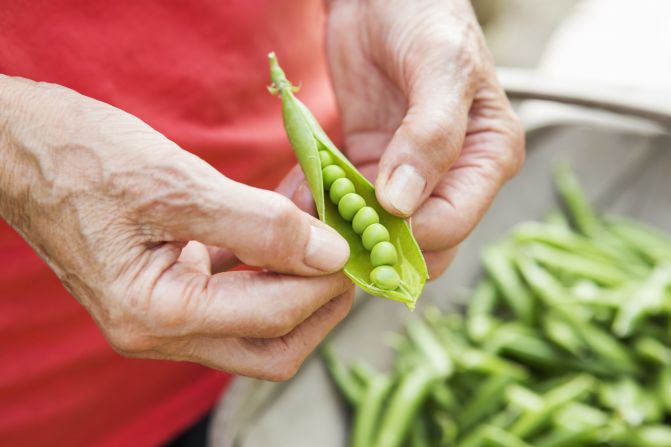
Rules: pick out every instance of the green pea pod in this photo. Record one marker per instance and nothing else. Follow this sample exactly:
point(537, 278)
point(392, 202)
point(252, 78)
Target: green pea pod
point(307, 139)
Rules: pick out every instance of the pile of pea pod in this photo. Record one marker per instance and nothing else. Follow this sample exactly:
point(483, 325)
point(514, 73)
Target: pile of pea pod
point(565, 342)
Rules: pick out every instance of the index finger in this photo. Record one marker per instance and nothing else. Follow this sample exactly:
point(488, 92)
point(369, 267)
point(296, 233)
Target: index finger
point(257, 304)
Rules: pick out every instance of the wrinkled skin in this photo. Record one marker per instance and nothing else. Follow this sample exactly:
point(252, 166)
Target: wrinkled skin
point(111, 204)
point(416, 86)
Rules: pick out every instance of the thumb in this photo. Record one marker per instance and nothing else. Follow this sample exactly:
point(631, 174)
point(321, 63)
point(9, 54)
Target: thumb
point(262, 228)
point(427, 143)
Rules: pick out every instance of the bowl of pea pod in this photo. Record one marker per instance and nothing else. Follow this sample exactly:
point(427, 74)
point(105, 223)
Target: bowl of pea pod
point(552, 327)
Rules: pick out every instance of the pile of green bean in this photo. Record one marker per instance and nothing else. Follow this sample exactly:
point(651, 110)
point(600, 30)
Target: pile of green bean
point(565, 342)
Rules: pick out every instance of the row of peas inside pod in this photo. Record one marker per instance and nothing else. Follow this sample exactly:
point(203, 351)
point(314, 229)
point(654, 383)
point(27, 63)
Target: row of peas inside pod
point(365, 222)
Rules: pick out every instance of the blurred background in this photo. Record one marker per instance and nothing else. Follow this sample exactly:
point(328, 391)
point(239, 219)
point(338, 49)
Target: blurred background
point(614, 53)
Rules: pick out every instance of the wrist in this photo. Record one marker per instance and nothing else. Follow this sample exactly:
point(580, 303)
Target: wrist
point(25, 120)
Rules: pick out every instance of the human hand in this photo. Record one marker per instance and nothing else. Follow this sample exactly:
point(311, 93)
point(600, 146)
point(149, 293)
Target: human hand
point(110, 204)
point(423, 112)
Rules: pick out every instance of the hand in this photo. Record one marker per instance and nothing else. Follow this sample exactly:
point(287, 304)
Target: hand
point(423, 111)
point(110, 205)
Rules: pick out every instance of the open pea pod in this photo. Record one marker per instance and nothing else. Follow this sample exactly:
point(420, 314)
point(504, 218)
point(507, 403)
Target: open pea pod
point(307, 139)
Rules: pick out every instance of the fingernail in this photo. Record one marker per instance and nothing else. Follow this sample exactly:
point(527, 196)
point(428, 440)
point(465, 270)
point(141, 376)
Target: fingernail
point(326, 250)
point(404, 189)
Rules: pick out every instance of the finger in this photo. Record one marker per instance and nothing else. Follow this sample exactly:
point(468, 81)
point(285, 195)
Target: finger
point(196, 255)
point(291, 182)
point(438, 261)
point(465, 193)
point(429, 138)
point(232, 304)
point(222, 259)
point(295, 187)
point(270, 359)
point(262, 228)
point(302, 197)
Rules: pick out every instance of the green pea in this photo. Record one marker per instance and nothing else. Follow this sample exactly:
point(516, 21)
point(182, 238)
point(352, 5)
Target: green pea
point(331, 174)
point(339, 188)
point(363, 218)
point(385, 277)
point(326, 158)
point(374, 234)
point(350, 204)
point(383, 253)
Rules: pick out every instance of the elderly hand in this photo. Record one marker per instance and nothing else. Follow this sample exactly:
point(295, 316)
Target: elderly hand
point(422, 109)
point(110, 204)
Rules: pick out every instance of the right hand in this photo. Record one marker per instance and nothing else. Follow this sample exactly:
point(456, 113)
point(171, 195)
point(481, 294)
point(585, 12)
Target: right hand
point(110, 204)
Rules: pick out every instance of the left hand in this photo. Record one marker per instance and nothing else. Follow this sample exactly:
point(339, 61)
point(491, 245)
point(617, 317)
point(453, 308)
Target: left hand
point(422, 109)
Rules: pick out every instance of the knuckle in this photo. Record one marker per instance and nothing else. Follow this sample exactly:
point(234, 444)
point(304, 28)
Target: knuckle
point(128, 343)
point(284, 230)
point(283, 371)
point(174, 314)
point(439, 135)
point(281, 212)
point(282, 323)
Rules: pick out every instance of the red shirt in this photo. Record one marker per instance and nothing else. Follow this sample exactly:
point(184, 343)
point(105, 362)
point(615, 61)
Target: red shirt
point(197, 72)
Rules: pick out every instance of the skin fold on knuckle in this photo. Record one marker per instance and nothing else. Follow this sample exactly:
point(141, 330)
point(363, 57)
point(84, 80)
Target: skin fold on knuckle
point(281, 322)
point(428, 225)
point(283, 371)
point(276, 359)
point(182, 310)
point(127, 342)
point(281, 236)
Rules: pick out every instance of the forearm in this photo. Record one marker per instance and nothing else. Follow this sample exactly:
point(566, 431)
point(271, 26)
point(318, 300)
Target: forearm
point(13, 182)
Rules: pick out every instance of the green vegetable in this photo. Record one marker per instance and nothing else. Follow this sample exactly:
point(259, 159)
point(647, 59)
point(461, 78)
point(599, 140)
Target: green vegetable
point(383, 253)
point(349, 205)
point(373, 235)
point(496, 260)
point(365, 217)
point(566, 342)
point(332, 173)
point(497, 437)
point(403, 406)
point(322, 163)
point(342, 377)
point(325, 158)
point(367, 416)
point(419, 435)
point(340, 188)
point(385, 277)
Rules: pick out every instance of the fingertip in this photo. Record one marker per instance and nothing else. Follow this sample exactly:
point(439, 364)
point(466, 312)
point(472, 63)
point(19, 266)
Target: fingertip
point(326, 250)
point(403, 192)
